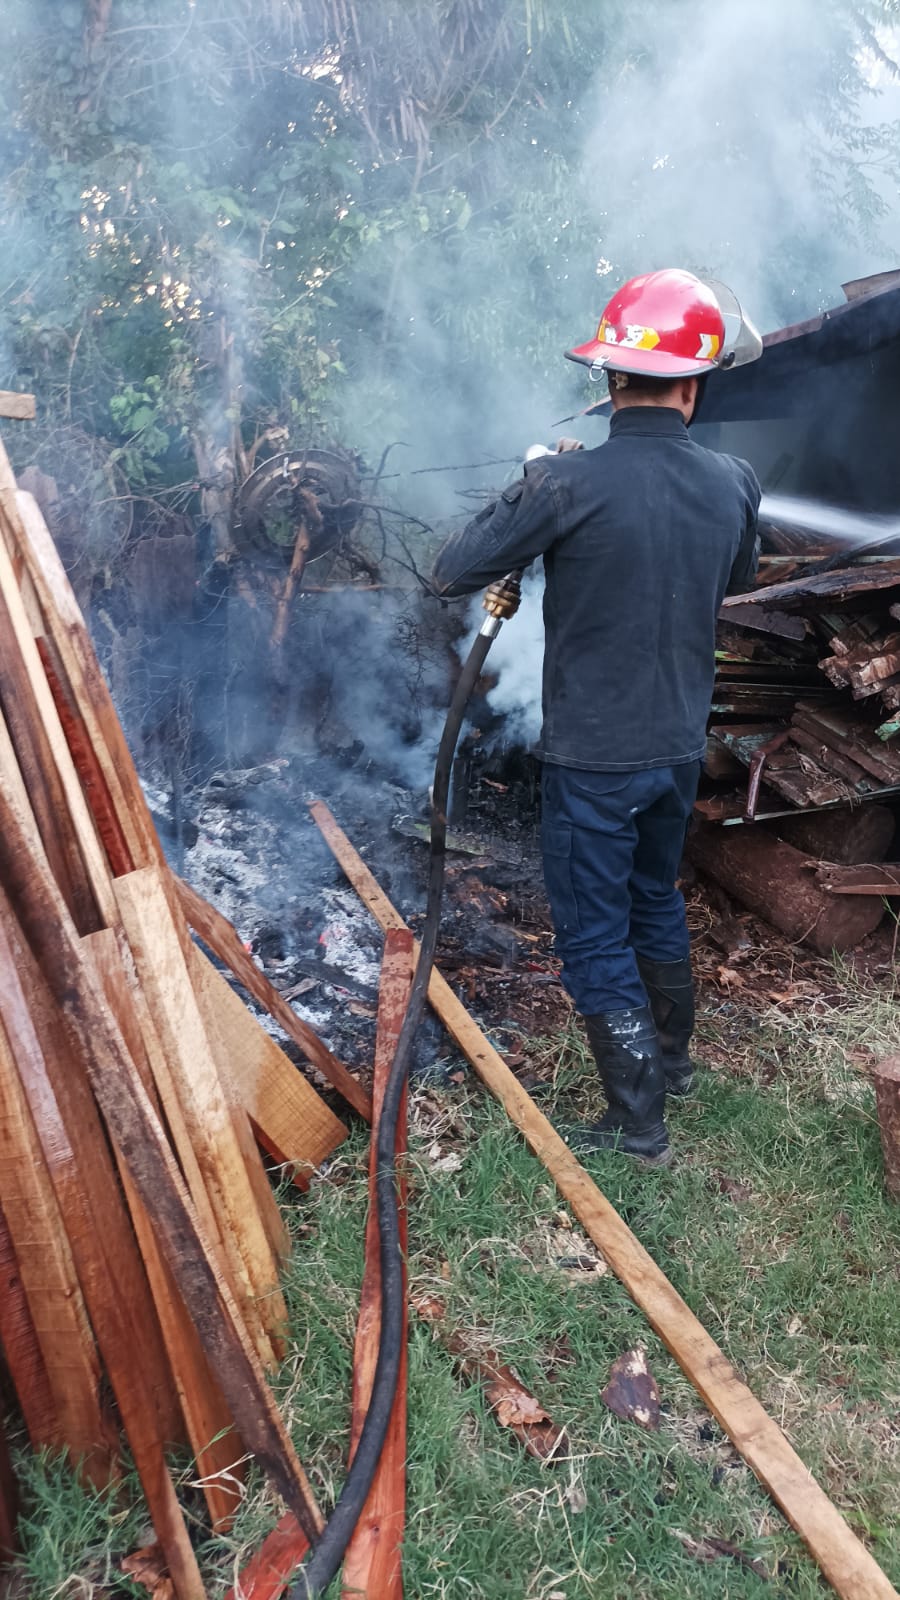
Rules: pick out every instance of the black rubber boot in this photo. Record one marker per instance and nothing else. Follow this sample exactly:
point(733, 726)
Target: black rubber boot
point(670, 990)
point(629, 1061)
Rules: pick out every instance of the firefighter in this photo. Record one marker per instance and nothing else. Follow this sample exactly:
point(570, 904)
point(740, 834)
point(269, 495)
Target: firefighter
point(641, 538)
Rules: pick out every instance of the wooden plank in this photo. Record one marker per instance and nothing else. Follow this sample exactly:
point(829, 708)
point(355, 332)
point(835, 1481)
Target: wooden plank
point(86, 765)
point(98, 1049)
point(887, 1101)
point(373, 1562)
point(166, 982)
point(222, 939)
point(87, 853)
point(63, 1409)
point(26, 716)
point(19, 1344)
point(833, 760)
point(837, 585)
point(9, 1502)
point(18, 407)
point(292, 1121)
point(851, 739)
point(270, 1570)
point(844, 1560)
point(882, 879)
point(233, 1044)
point(27, 532)
point(218, 1450)
point(103, 1248)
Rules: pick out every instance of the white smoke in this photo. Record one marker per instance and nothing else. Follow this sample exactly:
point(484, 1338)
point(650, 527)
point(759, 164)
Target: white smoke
point(516, 659)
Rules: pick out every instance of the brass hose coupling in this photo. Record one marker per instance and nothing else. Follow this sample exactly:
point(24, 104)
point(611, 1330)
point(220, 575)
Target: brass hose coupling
point(501, 600)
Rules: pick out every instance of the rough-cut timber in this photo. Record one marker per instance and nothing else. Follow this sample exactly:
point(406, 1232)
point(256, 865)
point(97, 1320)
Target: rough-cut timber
point(166, 981)
point(218, 1450)
point(268, 1573)
point(843, 1558)
point(221, 938)
point(9, 1501)
point(887, 1100)
point(99, 1050)
point(873, 878)
point(292, 1122)
point(19, 1346)
point(819, 587)
point(373, 1563)
point(55, 1365)
point(23, 525)
point(103, 1247)
point(86, 765)
point(779, 883)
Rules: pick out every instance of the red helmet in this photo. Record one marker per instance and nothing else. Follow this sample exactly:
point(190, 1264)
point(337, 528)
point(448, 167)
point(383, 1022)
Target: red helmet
point(671, 324)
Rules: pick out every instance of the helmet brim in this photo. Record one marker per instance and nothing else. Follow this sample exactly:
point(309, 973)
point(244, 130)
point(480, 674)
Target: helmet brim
point(650, 363)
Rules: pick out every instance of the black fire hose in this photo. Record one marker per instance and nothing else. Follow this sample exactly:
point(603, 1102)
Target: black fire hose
point(501, 601)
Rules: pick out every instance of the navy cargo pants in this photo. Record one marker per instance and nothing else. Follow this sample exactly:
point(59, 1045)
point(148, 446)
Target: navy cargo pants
point(612, 843)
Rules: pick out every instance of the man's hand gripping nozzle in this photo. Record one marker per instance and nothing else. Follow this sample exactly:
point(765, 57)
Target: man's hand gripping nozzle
point(501, 601)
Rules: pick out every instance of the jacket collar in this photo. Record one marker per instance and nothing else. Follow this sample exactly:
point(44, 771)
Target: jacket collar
point(658, 420)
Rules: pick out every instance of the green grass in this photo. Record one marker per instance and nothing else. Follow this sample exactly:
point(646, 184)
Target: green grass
point(773, 1226)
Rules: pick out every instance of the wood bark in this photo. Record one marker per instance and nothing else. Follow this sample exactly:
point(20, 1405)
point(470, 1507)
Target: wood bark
point(779, 884)
point(887, 1100)
point(842, 1557)
point(847, 837)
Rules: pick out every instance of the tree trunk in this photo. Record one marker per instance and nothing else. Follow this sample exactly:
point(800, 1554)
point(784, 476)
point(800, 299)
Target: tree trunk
point(846, 837)
point(778, 883)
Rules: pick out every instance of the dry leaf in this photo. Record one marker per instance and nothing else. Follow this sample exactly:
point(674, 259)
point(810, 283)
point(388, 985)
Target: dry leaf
point(148, 1568)
point(794, 1327)
point(632, 1391)
point(513, 1407)
point(729, 979)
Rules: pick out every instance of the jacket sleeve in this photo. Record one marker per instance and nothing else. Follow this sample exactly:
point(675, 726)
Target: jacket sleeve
point(744, 566)
point(508, 534)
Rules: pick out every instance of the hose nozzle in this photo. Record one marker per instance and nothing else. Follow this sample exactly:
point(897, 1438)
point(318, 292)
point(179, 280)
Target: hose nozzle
point(502, 599)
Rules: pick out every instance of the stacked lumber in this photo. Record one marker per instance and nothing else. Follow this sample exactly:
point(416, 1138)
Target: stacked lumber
point(140, 1239)
point(807, 691)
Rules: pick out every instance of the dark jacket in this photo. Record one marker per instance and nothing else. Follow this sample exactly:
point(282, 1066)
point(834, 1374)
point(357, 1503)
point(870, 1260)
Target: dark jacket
point(641, 539)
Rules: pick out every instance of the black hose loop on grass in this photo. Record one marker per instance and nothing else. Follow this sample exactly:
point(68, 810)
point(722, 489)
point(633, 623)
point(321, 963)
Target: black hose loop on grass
point(328, 1552)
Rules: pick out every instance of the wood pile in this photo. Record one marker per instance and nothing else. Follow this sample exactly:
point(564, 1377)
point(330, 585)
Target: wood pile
point(139, 1236)
point(808, 691)
point(805, 733)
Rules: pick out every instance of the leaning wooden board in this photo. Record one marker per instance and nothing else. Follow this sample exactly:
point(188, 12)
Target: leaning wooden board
point(292, 1122)
point(843, 1558)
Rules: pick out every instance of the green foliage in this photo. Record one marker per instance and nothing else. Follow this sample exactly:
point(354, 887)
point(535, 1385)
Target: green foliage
point(346, 217)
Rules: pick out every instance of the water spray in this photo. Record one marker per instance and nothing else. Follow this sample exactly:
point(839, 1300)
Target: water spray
point(501, 601)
